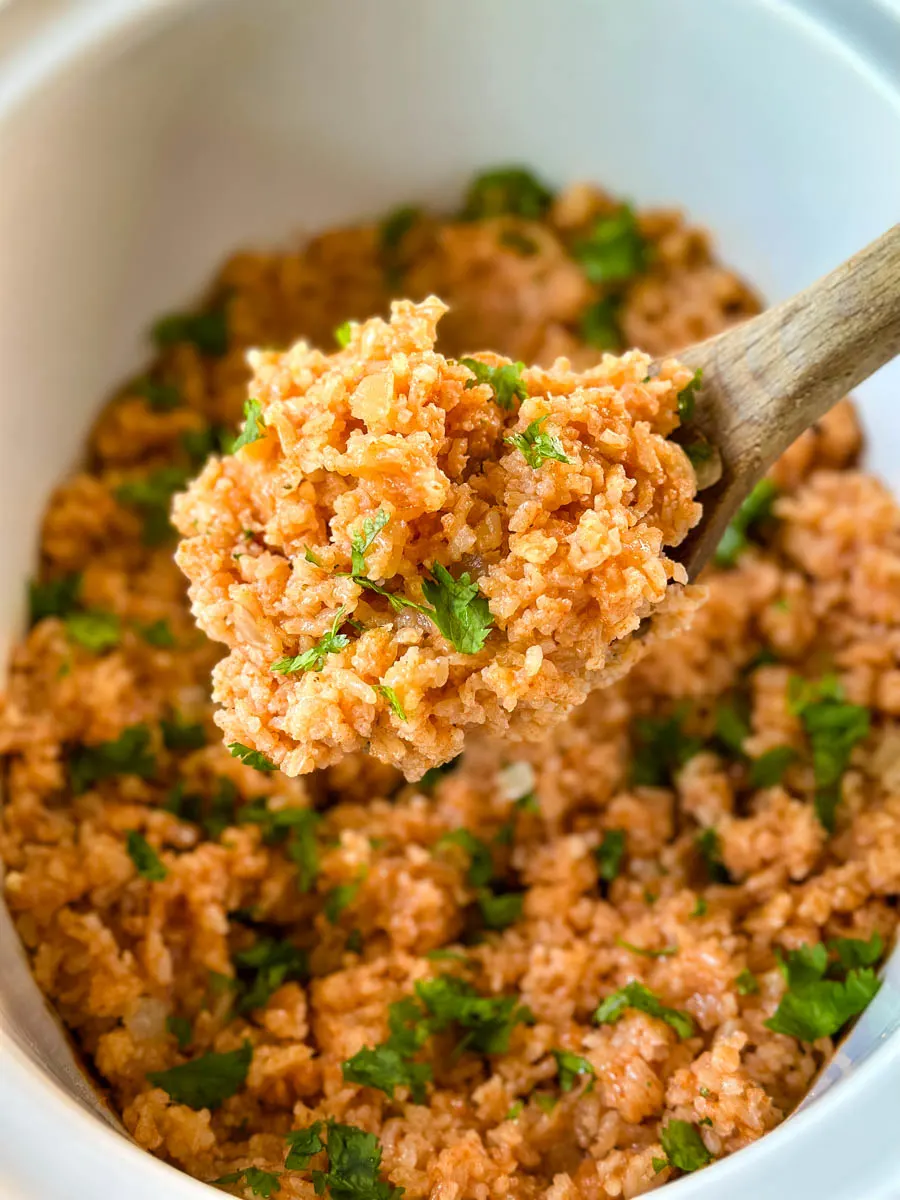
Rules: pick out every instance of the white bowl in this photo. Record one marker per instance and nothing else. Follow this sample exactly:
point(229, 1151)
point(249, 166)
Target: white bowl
point(141, 141)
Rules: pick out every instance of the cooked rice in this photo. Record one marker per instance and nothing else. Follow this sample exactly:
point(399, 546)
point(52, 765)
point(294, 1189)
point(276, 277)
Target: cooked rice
point(117, 954)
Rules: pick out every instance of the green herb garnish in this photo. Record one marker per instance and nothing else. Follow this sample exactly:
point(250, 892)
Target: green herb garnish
point(354, 1166)
point(769, 768)
point(701, 908)
point(683, 1147)
point(339, 898)
point(687, 397)
point(505, 382)
point(833, 728)
point(128, 754)
point(661, 749)
point(600, 326)
point(93, 629)
point(261, 1183)
point(665, 952)
point(481, 864)
point(709, 845)
point(147, 862)
point(254, 425)
point(251, 758)
point(506, 191)
point(386, 1068)
point(181, 735)
point(499, 910)
point(460, 612)
point(536, 446)
point(264, 968)
point(208, 331)
point(157, 633)
point(434, 775)
point(53, 598)
point(636, 995)
point(615, 250)
point(816, 1006)
point(488, 1021)
point(570, 1066)
point(746, 523)
point(152, 496)
point(199, 444)
point(303, 1144)
point(161, 397)
point(207, 1081)
point(313, 659)
point(609, 854)
point(512, 239)
point(746, 983)
point(391, 696)
point(515, 1111)
point(181, 1031)
point(361, 540)
point(732, 727)
point(343, 334)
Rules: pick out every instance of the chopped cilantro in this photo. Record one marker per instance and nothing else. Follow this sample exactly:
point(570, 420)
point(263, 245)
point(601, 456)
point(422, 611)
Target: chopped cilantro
point(545, 1101)
point(146, 861)
point(636, 995)
point(481, 864)
point(207, 1081)
point(220, 811)
point(354, 1167)
point(296, 826)
point(396, 225)
point(386, 1068)
point(536, 446)
point(769, 768)
point(261, 1183)
point(199, 444)
point(182, 735)
point(665, 952)
point(157, 633)
point(600, 324)
point(354, 942)
point(152, 496)
point(434, 775)
point(186, 806)
point(128, 754)
point(442, 954)
point(54, 598)
point(303, 1144)
point(264, 968)
point(732, 726)
point(515, 1111)
point(499, 910)
point(460, 612)
point(208, 331)
point(683, 1147)
point(701, 908)
point(527, 803)
point(833, 728)
point(340, 898)
point(570, 1066)
point(181, 1031)
point(161, 397)
point(254, 425)
point(391, 696)
point(609, 854)
point(746, 983)
point(687, 397)
point(698, 452)
point(343, 334)
point(853, 952)
point(313, 659)
point(487, 1020)
point(361, 541)
point(251, 758)
point(815, 1006)
point(505, 382)
point(93, 629)
point(709, 846)
point(312, 558)
point(615, 250)
point(513, 239)
point(506, 191)
point(661, 748)
point(753, 513)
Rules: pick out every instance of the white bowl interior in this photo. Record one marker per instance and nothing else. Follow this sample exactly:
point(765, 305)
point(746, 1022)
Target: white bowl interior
point(140, 142)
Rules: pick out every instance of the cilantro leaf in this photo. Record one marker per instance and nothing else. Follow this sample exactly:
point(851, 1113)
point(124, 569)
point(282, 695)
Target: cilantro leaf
point(745, 525)
point(361, 540)
point(296, 826)
point(354, 1167)
point(701, 908)
point(161, 397)
point(391, 233)
point(157, 633)
point(833, 728)
point(499, 910)
point(746, 983)
point(814, 1006)
point(506, 191)
point(220, 811)
point(698, 452)
point(265, 967)
point(615, 250)
point(207, 1081)
point(391, 696)
point(687, 397)
point(515, 1111)
point(93, 629)
point(481, 864)
point(303, 1143)
point(600, 326)
point(769, 768)
point(709, 846)
point(609, 854)
point(636, 995)
point(340, 898)
point(853, 952)
point(513, 239)
point(665, 952)
point(461, 613)
point(536, 446)
point(54, 597)
point(570, 1066)
point(261, 1183)
point(343, 334)
point(152, 496)
point(487, 1020)
point(199, 444)
point(732, 726)
point(313, 659)
point(182, 735)
point(180, 1029)
point(128, 754)
point(208, 331)
point(385, 1068)
point(683, 1147)
point(254, 425)
point(251, 758)
point(505, 382)
point(661, 748)
point(434, 775)
point(147, 862)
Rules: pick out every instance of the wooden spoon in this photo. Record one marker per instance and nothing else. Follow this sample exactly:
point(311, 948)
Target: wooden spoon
point(768, 379)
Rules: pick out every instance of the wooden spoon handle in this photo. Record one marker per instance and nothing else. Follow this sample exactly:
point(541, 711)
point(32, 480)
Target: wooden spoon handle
point(767, 380)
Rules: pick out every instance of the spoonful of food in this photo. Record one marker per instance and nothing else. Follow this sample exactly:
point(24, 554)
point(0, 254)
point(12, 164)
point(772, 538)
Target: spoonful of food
point(767, 380)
